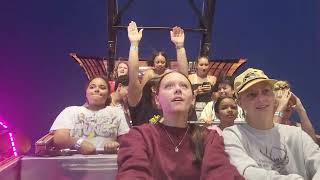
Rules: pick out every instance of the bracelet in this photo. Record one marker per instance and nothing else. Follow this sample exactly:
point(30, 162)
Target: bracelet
point(78, 144)
point(134, 48)
point(279, 114)
point(179, 46)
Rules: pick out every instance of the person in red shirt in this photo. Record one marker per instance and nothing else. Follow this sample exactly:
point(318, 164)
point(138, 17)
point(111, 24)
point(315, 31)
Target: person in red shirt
point(174, 148)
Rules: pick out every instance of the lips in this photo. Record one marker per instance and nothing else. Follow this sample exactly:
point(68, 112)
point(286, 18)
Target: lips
point(262, 107)
point(231, 116)
point(177, 99)
point(95, 95)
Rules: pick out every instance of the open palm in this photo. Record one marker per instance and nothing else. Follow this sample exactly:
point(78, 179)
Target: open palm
point(133, 33)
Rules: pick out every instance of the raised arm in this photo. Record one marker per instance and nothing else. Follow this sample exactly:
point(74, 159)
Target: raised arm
point(282, 106)
point(305, 122)
point(304, 119)
point(134, 88)
point(177, 37)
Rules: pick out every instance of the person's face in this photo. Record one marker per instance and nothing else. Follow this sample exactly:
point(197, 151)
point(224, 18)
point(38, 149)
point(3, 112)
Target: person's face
point(97, 92)
point(202, 66)
point(227, 111)
point(123, 92)
point(159, 63)
point(175, 94)
point(225, 90)
point(258, 100)
point(122, 69)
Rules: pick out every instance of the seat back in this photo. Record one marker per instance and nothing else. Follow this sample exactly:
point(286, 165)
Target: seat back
point(94, 66)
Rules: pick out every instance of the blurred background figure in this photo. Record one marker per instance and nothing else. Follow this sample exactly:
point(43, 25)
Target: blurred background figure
point(288, 105)
point(202, 84)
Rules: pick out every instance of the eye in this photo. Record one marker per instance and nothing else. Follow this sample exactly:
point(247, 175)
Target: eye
point(92, 86)
point(103, 87)
point(169, 85)
point(251, 95)
point(223, 107)
point(266, 91)
point(184, 85)
point(234, 107)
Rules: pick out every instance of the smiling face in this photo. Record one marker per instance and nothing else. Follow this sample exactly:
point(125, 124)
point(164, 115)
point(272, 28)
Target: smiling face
point(175, 94)
point(159, 64)
point(225, 90)
point(258, 100)
point(202, 66)
point(97, 92)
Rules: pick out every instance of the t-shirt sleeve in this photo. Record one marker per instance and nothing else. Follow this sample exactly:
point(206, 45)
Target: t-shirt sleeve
point(64, 120)
point(215, 163)
point(207, 112)
point(247, 166)
point(133, 158)
point(312, 156)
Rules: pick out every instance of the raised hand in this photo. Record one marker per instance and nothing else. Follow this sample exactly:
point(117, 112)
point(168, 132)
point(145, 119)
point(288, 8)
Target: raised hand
point(283, 101)
point(133, 34)
point(297, 105)
point(177, 36)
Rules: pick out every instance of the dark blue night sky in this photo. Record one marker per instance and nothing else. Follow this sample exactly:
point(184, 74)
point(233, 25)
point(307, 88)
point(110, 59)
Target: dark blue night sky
point(39, 79)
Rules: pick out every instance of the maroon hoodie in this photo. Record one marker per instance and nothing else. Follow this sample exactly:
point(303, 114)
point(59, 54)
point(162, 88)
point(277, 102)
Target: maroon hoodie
point(146, 152)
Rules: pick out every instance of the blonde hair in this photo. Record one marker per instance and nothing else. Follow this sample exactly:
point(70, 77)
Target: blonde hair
point(279, 87)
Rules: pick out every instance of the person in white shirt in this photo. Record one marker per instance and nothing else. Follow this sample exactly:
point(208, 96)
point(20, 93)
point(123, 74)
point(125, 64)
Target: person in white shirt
point(225, 89)
point(262, 149)
point(93, 126)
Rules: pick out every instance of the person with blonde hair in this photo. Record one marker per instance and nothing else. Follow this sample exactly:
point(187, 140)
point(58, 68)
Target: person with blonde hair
point(262, 149)
point(286, 108)
point(173, 148)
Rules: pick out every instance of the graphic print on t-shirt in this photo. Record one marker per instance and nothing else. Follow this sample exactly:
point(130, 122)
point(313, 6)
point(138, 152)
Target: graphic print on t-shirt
point(92, 125)
point(278, 156)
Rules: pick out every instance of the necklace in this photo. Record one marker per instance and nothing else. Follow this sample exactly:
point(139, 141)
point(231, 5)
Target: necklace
point(176, 147)
point(114, 104)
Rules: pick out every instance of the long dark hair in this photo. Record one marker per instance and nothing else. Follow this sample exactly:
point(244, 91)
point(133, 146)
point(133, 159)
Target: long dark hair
point(146, 98)
point(196, 131)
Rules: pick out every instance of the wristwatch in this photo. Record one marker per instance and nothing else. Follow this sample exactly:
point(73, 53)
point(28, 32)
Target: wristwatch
point(78, 144)
point(279, 114)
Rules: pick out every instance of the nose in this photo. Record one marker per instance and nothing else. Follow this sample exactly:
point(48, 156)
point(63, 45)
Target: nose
point(260, 97)
point(229, 109)
point(96, 89)
point(177, 89)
